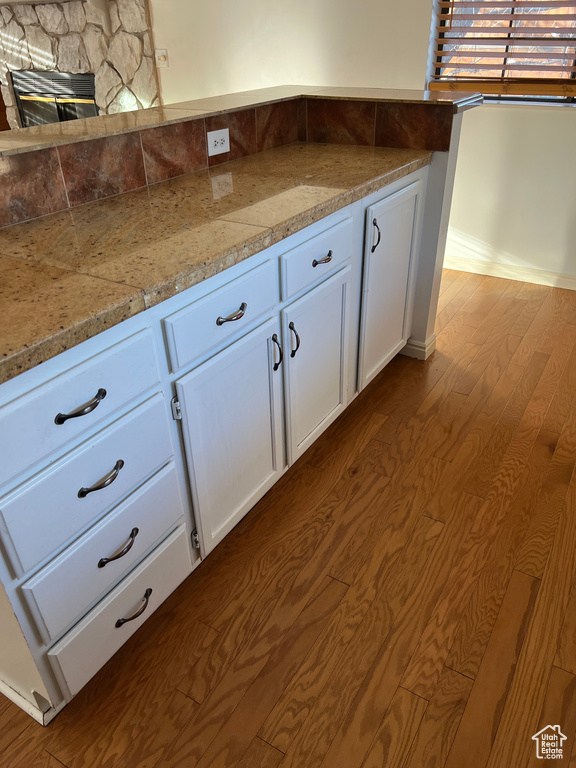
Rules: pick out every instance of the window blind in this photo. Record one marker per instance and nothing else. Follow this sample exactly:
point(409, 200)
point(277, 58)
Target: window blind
point(506, 47)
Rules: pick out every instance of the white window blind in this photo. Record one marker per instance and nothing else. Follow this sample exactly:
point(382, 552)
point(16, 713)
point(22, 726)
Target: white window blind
point(506, 47)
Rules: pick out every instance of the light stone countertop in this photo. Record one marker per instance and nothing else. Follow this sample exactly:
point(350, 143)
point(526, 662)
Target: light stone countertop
point(66, 277)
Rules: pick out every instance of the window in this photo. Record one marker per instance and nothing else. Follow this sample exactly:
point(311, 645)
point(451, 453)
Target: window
point(506, 48)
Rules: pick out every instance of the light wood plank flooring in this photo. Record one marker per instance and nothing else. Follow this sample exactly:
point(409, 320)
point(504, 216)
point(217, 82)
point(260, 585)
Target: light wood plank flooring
point(404, 597)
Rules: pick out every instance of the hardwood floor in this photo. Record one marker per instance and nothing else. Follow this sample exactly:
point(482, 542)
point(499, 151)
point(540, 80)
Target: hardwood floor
point(404, 597)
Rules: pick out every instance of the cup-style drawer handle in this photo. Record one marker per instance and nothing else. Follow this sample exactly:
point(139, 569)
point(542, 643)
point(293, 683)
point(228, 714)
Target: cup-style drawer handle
point(295, 332)
point(138, 613)
point(121, 551)
point(326, 260)
point(105, 482)
point(375, 225)
point(83, 410)
point(279, 363)
point(234, 316)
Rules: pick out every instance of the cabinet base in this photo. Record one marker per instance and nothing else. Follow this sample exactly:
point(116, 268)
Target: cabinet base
point(41, 716)
point(421, 350)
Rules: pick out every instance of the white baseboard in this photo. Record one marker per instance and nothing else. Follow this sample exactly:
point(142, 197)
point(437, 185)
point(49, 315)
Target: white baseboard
point(468, 254)
point(419, 349)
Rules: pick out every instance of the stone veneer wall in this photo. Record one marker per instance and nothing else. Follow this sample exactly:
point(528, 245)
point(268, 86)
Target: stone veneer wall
point(77, 37)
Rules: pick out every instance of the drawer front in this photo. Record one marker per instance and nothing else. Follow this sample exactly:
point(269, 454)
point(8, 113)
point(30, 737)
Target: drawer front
point(45, 513)
point(73, 582)
point(202, 325)
point(316, 258)
point(89, 645)
point(29, 423)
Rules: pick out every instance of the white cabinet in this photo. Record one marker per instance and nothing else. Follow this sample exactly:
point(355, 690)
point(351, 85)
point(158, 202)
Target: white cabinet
point(390, 262)
point(232, 418)
point(89, 645)
point(260, 358)
point(253, 408)
point(314, 329)
point(91, 494)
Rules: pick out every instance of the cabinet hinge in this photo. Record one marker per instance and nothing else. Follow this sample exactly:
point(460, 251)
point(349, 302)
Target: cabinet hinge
point(195, 539)
point(176, 409)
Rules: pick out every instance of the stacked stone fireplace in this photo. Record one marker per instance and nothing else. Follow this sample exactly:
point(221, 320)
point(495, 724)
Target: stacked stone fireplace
point(112, 40)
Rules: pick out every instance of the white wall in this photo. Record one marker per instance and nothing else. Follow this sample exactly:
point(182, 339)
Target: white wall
point(225, 46)
point(514, 207)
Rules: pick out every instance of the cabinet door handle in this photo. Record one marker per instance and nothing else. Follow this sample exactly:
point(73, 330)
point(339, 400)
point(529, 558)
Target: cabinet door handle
point(121, 551)
point(234, 316)
point(105, 482)
point(83, 410)
point(326, 260)
point(279, 363)
point(138, 613)
point(295, 332)
point(375, 224)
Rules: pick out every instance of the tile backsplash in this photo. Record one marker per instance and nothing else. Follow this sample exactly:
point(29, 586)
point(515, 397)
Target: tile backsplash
point(45, 181)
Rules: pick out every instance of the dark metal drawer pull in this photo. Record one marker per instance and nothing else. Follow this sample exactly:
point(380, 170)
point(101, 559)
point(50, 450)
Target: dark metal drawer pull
point(234, 316)
point(375, 224)
point(138, 613)
point(279, 363)
point(83, 410)
point(120, 552)
point(295, 332)
point(105, 482)
point(326, 260)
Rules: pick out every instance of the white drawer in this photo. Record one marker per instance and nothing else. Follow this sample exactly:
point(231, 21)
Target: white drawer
point(89, 645)
point(72, 583)
point(197, 328)
point(123, 371)
point(316, 258)
point(46, 512)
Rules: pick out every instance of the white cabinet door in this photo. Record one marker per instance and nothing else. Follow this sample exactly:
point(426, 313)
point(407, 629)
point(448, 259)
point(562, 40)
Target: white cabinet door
point(315, 361)
point(232, 423)
point(390, 253)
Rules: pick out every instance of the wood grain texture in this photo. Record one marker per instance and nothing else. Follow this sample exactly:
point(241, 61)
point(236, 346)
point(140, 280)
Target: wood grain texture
point(260, 755)
point(102, 722)
point(394, 566)
point(520, 716)
point(478, 727)
point(440, 722)
point(358, 492)
point(566, 652)
point(369, 612)
point(447, 310)
point(243, 724)
point(435, 641)
point(479, 616)
point(379, 679)
point(493, 453)
point(559, 708)
point(397, 730)
point(13, 721)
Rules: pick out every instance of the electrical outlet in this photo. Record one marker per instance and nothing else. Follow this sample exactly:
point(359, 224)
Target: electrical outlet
point(218, 142)
point(161, 56)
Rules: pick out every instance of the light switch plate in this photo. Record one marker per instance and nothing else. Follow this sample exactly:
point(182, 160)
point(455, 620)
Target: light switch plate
point(161, 57)
point(218, 142)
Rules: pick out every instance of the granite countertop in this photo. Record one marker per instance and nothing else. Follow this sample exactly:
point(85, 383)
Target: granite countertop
point(66, 277)
point(43, 136)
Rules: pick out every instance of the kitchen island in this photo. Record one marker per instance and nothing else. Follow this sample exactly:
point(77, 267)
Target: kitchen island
point(120, 393)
